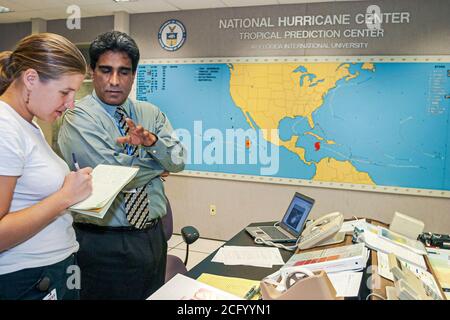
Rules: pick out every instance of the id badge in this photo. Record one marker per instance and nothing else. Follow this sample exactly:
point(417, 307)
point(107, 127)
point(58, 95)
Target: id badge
point(51, 295)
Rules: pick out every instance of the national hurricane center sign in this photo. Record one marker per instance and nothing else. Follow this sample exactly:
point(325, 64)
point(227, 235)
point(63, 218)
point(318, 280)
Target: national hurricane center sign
point(351, 28)
point(375, 28)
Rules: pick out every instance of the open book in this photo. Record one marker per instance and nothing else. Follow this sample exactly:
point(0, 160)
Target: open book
point(107, 181)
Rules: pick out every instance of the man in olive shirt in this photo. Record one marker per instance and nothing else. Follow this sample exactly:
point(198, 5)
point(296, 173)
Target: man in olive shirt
point(123, 255)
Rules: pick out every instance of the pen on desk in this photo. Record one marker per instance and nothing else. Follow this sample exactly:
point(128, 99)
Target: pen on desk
point(257, 292)
point(75, 163)
point(250, 293)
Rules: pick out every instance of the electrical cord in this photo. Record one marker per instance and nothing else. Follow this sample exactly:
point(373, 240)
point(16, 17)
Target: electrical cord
point(375, 295)
point(259, 240)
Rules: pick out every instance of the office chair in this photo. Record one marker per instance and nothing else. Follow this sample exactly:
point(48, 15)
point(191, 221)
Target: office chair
point(190, 234)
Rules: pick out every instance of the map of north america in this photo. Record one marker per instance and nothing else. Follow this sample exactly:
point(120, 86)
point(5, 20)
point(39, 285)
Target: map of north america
point(366, 123)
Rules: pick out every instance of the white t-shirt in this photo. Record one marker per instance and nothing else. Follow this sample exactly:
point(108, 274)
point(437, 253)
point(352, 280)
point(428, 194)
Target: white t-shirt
point(25, 153)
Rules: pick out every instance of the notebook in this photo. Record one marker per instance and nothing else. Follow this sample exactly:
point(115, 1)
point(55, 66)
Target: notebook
point(290, 227)
point(108, 181)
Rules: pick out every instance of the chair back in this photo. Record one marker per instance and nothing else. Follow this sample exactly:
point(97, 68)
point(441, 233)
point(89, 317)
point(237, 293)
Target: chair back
point(167, 221)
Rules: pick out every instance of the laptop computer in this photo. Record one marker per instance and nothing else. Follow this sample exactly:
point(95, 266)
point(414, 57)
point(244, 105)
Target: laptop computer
point(291, 226)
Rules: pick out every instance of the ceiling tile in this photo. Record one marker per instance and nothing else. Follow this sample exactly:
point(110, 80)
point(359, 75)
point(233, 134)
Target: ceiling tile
point(24, 10)
point(147, 6)
point(40, 4)
point(197, 4)
point(244, 3)
point(301, 1)
point(15, 6)
point(88, 2)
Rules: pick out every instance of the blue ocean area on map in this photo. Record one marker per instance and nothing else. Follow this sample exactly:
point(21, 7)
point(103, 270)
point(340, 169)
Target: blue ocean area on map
point(187, 100)
point(388, 122)
point(381, 122)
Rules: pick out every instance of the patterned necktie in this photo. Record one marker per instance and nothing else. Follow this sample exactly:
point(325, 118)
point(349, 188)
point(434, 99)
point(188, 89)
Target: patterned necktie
point(136, 203)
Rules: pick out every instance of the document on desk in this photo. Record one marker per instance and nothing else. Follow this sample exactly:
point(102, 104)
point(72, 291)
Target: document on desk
point(181, 287)
point(236, 286)
point(373, 241)
point(426, 277)
point(383, 266)
point(249, 256)
point(440, 262)
point(346, 284)
point(402, 241)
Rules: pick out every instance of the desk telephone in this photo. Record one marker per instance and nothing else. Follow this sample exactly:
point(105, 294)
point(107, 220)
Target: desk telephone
point(322, 230)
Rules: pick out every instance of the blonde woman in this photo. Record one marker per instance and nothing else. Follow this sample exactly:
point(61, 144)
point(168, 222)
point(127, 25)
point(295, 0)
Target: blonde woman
point(37, 242)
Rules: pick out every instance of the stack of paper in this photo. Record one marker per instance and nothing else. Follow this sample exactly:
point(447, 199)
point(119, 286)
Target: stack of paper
point(249, 256)
point(107, 182)
point(426, 277)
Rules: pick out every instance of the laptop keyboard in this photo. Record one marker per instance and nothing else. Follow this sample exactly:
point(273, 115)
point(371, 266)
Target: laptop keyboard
point(274, 233)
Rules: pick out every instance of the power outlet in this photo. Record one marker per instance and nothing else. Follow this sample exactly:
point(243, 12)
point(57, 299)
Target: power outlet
point(212, 210)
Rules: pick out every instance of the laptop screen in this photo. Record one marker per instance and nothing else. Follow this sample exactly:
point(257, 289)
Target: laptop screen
point(297, 213)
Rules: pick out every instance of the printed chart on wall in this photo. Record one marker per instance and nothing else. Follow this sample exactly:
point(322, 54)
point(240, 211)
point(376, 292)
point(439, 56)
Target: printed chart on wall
point(366, 123)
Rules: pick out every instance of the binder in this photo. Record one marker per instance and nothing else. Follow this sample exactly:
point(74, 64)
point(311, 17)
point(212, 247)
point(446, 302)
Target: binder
point(344, 258)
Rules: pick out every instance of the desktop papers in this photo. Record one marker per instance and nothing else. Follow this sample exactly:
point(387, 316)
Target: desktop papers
point(181, 287)
point(249, 256)
point(377, 243)
point(346, 284)
point(237, 286)
point(425, 276)
point(370, 235)
point(440, 262)
point(383, 266)
point(398, 239)
point(107, 182)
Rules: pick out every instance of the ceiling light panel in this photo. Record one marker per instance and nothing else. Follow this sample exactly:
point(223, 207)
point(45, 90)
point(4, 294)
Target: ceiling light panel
point(197, 4)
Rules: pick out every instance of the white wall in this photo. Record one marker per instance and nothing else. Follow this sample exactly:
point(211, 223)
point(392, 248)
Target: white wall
point(240, 203)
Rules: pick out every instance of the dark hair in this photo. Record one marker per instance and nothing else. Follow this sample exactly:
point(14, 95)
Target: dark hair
point(115, 41)
point(51, 55)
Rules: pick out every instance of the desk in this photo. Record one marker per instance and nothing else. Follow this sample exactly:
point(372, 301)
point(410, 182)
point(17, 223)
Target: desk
point(247, 272)
point(257, 273)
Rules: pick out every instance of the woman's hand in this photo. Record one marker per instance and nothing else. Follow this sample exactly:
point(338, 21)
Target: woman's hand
point(77, 185)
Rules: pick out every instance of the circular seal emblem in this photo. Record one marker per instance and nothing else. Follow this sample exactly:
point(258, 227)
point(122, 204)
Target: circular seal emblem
point(172, 35)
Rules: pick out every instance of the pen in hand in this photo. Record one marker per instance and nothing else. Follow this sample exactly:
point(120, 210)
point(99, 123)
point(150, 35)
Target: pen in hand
point(75, 163)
